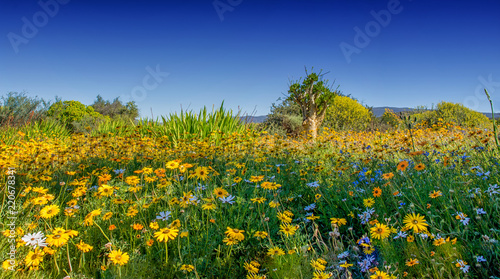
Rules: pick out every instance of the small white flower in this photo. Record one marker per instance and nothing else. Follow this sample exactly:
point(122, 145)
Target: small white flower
point(464, 267)
point(35, 240)
point(200, 187)
point(164, 215)
point(492, 189)
point(314, 184)
point(424, 235)
point(401, 234)
point(229, 199)
point(344, 254)
point(480, 259)
point(194, 200)
point(480, 211)
point(310, 207)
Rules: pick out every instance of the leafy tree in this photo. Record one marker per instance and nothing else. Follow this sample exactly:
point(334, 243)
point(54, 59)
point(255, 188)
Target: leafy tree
point(314, 96)
point(347, 113)
point(284, 119)
point(18, 109)
point(116, 109)
point(71, 113)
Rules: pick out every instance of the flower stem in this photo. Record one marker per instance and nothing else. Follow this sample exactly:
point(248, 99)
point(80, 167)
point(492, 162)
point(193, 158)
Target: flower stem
point(69, 260)
point(166, 253)
point(55, 261)
point(103, 232)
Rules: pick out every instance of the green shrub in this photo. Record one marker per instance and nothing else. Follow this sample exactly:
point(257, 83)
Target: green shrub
point(458, 114)
point(88, 123)
point(284, 119)
point(390, 118)
point(17, 109)
point(347, 114)
point(74, 115)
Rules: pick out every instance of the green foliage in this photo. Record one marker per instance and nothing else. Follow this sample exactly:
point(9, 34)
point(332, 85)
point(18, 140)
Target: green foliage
point(203, 124)
point(452, 113)
point(74, 114)
point(115, 126)
point(189, 125)
point(18, 109)
point(88, 123)
point(116, 109)
point(347, 114)
point(69, 111)
point(390, 118)
point(40, 129)
point(459, 114)
point(285, 119)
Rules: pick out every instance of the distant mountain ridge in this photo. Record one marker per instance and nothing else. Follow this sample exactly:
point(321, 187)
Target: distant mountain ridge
point(254, 119)
point(378, 111)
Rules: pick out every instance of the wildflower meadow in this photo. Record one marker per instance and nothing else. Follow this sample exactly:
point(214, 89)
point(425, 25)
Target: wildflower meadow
point(133, 202)
point(244, 139)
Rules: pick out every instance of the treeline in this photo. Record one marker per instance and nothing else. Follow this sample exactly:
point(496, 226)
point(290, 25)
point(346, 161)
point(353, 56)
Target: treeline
point(286, 118)
point(18, 109)
point(346, 113)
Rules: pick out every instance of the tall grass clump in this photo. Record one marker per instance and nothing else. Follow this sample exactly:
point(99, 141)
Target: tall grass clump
point(493, 119)
point(114, 126)
point(188, 125)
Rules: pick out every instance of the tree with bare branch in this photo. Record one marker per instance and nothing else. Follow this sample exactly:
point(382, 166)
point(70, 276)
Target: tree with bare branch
point(314, 96)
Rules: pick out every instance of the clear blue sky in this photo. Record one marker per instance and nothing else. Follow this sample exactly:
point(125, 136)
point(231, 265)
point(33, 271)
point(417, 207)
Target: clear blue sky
point(245, 52)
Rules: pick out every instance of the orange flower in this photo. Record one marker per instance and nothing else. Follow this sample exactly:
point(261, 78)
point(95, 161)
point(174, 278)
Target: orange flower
point(402, 165)
point(377, 192)
point(387, 176)
point(420, 167)
point(137, 227)
point(412, 262)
